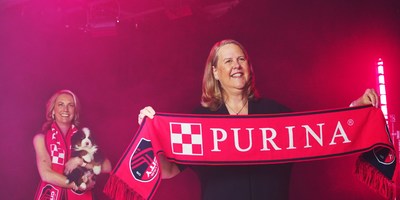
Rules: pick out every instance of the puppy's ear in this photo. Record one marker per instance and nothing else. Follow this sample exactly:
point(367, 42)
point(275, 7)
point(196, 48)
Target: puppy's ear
point(86, 131)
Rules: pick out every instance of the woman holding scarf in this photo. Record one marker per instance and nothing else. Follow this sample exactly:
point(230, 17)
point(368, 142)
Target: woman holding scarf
point(229, 88)
point(53, 147)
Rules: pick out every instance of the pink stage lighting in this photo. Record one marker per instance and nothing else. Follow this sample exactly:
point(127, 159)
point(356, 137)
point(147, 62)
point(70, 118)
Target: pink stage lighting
point(382, 89)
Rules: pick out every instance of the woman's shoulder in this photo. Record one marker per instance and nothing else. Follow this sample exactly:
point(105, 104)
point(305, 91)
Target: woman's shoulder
point(39, 140)
point(38, 137)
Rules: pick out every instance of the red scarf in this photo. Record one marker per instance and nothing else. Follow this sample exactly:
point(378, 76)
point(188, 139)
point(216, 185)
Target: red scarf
point(255, 139)
point(60, 150)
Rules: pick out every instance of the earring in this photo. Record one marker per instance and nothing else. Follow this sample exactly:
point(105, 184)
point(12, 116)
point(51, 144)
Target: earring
point(53, 115)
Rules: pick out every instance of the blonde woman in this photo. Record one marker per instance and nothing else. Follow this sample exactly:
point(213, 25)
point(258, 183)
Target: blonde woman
point(52, 147)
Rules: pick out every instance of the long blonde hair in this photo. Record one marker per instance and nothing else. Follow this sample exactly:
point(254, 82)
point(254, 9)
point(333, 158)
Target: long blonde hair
point(50, 108)
point(212, 96)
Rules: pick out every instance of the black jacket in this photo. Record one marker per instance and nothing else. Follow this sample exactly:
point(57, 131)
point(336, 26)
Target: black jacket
point(256, 182)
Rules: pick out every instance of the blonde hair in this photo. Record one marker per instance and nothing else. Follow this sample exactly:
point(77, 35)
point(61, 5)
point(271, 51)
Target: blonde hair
point(212, 92)
point(50, 108)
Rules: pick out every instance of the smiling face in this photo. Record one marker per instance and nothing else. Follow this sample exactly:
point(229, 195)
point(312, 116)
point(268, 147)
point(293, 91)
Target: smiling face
point(64, 109)
point(232, 69)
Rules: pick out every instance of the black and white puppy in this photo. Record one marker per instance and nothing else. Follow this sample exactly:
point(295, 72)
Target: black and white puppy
point(84, 146)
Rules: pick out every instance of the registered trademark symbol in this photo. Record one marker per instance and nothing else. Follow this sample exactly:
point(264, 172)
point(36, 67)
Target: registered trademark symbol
point(350, 122)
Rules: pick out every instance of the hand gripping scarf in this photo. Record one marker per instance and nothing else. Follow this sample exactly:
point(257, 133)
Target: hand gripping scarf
point(255, 139)
point(60, 150)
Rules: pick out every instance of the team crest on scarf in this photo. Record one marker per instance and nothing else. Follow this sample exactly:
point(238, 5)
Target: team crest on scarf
point(384, 156)
point(186, 138)
point(49, 192)
point(143, 163)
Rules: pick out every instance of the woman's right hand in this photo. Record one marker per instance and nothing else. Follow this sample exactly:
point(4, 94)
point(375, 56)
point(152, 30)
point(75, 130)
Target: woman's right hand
point(72, 163)
point(169, 169)
point(147, 111)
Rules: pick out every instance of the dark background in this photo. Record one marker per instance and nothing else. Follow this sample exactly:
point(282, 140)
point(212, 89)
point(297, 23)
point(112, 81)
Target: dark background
point(309, 55)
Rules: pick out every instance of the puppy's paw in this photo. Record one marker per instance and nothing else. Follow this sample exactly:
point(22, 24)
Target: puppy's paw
point(97, 169)
point(83, 186)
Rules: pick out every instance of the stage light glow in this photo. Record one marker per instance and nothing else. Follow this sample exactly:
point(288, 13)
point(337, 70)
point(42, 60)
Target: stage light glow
point(380, 69)
point(382, 88)
point(381, 79)
point(383, 99)
point(384, 110)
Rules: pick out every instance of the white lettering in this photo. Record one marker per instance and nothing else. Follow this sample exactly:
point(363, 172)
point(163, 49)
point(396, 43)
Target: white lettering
point(339, 128)
point(270, 139)
point(216, 139)
point(52, 195)
point(290, 133)
point(138, 173)
point(265, 139)
point(313, 134)
point(236, 138)
point(153, 169)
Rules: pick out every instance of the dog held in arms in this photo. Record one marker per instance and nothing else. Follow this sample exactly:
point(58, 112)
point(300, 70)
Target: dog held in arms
point(83, 146)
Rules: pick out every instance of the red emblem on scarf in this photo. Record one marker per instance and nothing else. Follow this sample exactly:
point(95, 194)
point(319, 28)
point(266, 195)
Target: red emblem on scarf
point(48, 193)
point(384, 156)
point(143, 164)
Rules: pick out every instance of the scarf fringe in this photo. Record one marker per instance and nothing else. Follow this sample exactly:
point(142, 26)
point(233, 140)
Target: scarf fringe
point(116, 189)
point(375, 180)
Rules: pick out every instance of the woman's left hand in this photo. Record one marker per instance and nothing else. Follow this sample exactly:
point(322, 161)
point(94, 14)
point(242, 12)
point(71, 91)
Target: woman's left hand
point(370, 97)
point(72, 164)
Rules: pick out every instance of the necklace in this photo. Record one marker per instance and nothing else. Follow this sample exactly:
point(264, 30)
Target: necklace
point(237, 113)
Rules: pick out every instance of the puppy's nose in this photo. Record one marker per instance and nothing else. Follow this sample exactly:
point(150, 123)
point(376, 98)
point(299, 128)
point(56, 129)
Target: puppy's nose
point(87, 143)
